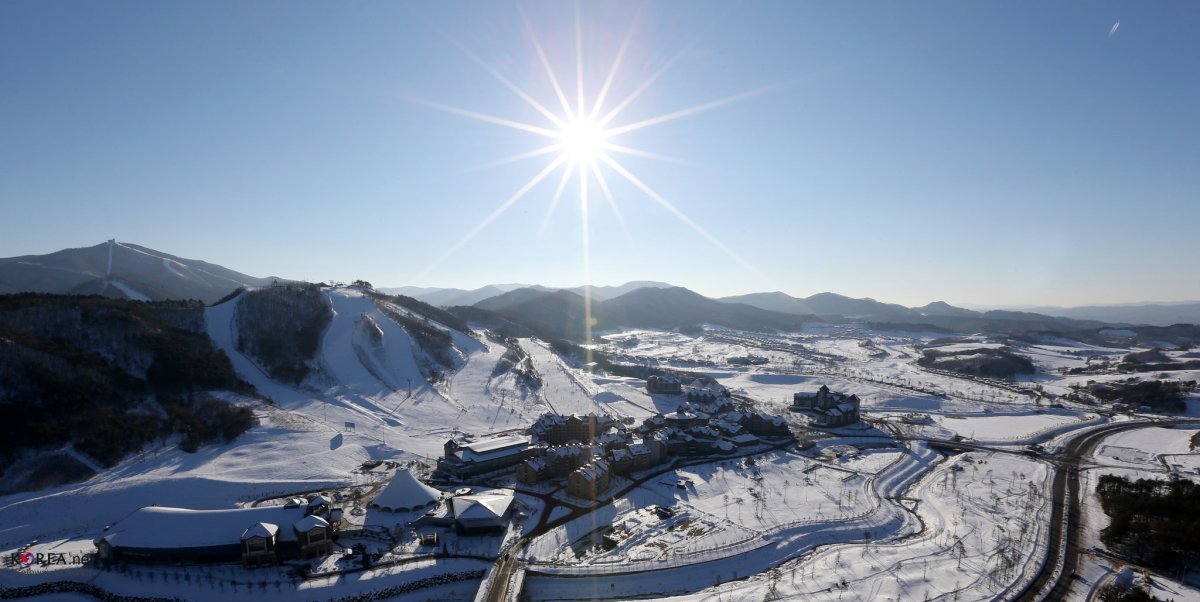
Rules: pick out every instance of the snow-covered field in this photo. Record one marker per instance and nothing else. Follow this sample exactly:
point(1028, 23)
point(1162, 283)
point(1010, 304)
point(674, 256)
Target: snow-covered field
point(1008, 428)
point(724, 503)
point(981, 528)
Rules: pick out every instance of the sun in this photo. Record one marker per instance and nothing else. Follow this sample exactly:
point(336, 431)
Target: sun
point(580, 138)
point(583, 141)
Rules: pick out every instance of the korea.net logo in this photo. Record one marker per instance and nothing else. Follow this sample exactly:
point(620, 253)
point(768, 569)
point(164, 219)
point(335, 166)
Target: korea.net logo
point(27, 559)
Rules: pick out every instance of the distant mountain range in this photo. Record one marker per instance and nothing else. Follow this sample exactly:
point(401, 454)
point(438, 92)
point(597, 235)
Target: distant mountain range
point(126, 270)
point(562, 313)
point(1154, 314)
point(123, 271)
point(450, 297)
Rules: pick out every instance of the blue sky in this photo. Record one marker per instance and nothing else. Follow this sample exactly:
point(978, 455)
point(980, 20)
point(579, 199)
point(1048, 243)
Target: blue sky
point(1002, 153)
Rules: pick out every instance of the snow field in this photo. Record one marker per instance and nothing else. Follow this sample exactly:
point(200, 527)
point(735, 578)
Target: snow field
point(980, 531)
point(1011, 428)
point(565, 389)
point(682, 574)
point(727, 503)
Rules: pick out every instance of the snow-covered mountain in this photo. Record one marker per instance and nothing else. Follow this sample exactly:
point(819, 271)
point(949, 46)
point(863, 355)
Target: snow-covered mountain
point(381, 363)
point(121, 270)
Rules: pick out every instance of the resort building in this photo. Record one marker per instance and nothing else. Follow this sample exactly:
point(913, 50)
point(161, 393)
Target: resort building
point(590, 481)
point(465, 458)
point(829, 409)
point(254, 536)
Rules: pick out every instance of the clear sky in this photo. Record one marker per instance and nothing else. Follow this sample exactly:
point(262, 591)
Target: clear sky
point(985, 153)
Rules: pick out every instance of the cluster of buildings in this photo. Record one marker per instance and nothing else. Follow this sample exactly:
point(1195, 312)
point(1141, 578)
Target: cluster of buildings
point(298, 529)
point(588, 450)
point(712, 427)
point(827, 408)
point(466, 457)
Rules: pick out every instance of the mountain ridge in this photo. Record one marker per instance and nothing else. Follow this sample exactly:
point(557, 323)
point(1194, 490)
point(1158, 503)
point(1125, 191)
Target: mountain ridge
point(127, 270)
point(123, 271)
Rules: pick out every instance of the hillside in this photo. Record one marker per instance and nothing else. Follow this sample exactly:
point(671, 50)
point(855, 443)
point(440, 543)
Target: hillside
point(106, 376)
point(281, 327)
point(494, 296)
point(387, 365)
point(833, 304)
point(774, 301)
point(553, 315)
point(604, 293)
point(561, 314)
point(678, 307)
point(826, 304)
point(936, 316)
point(450, 297)
point(1152, 314)
point(515, 297)
point(123, 271)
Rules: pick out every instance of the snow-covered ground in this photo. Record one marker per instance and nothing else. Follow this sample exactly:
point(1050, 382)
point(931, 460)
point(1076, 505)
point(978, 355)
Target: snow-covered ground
point(1136, 454)
point(1008, 428)
point(890, 518)
point(725, 503)
point(379, 388)
point(566, 390)
point(982, 522)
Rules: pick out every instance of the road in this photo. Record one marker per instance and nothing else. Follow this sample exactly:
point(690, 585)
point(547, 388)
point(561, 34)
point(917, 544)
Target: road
point(1051, 582)
point(502, 577)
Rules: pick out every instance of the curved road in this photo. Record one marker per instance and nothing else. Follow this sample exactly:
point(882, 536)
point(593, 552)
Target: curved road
point(1057, 574)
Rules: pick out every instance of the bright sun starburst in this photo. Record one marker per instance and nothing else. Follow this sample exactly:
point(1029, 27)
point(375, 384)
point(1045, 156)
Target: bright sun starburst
point(582, 141)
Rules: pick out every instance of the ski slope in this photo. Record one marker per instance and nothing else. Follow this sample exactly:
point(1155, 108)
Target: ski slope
point(369, 374)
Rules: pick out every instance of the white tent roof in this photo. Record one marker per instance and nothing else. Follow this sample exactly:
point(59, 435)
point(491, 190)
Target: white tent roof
point(405, 492)
point(483, 506)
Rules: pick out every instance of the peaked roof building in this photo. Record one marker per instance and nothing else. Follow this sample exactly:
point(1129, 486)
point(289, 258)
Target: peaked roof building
point(405, 493)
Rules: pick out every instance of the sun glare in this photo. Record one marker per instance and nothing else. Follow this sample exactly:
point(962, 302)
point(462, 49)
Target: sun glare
point(583, 141)
point(582, 138)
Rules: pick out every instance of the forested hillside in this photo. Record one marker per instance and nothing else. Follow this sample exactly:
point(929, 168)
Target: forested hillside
point(109, 375)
